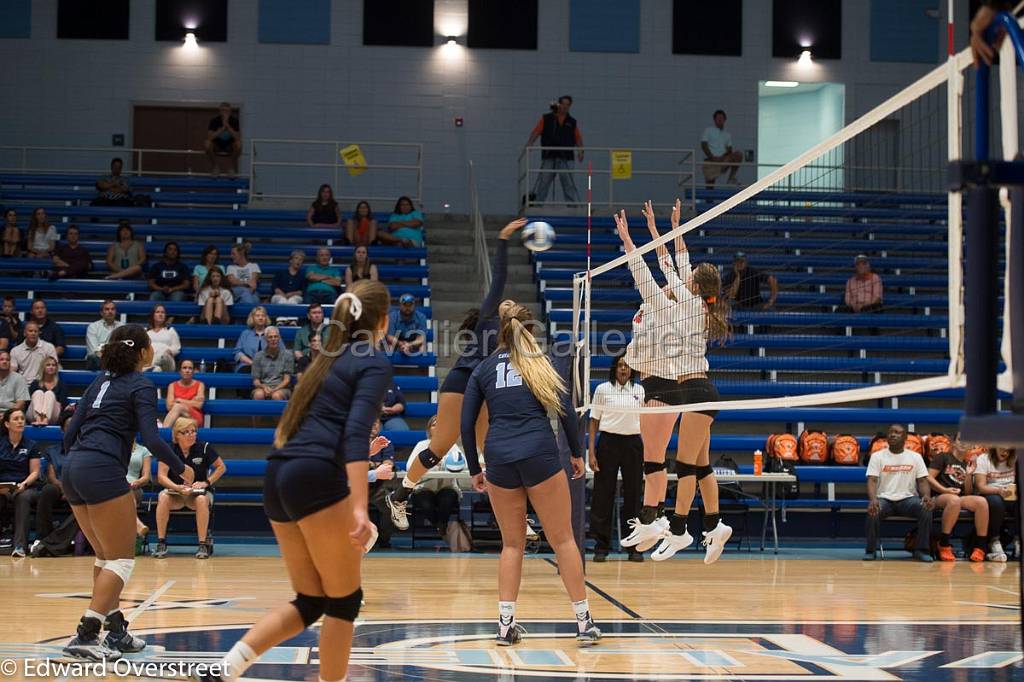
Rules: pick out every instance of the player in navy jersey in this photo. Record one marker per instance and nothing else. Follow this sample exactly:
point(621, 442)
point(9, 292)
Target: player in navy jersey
point(519, 387)
point(98, 441)
point(482, 326)
point(315, 488)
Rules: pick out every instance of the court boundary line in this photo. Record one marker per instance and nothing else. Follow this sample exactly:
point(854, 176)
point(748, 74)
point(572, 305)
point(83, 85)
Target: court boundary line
point(604, 595)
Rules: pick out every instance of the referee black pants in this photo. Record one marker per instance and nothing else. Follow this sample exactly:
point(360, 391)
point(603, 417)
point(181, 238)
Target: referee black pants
point(615, 453)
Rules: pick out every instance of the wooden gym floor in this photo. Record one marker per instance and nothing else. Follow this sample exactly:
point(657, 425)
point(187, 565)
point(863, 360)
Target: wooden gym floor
point(431, 617)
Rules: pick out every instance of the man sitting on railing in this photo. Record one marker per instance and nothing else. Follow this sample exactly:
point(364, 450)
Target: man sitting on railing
point(719, 156)
point(223, 139)
point(114, 189)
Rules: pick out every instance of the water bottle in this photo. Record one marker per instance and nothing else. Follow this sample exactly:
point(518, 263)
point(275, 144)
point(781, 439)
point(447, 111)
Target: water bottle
point(758, 463)
point(202, 366)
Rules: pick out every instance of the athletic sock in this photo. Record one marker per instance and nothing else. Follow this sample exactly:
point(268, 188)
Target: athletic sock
point(89, 613)
point(710, 522)
point(506, 616)
point(943, 539)
point(582, 610)
point(648, 514)
point(237, 661)
point(677, 524)
point(162, 541)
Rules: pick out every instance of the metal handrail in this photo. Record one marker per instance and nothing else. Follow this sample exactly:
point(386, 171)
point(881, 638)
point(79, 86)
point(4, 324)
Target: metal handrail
point(483, 260)
point(136, 153)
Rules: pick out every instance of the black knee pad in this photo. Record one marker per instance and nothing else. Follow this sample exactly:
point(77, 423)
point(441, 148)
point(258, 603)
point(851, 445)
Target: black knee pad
point(683, 469)
point(310, 608)
point(428, 459)
point(654, 467)
point(704, 471)
point(344, 608)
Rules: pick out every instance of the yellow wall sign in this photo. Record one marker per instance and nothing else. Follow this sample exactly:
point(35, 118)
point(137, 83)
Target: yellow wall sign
point(354, 160)
point(622, 164)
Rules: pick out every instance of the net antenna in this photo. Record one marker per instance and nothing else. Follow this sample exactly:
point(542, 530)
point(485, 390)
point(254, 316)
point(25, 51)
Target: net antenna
point(817, 183)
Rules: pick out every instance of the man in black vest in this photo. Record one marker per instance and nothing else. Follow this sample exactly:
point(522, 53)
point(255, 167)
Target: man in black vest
point(557, 129)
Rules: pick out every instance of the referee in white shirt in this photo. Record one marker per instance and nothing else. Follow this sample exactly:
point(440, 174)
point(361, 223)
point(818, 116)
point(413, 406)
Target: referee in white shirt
point(618, 447)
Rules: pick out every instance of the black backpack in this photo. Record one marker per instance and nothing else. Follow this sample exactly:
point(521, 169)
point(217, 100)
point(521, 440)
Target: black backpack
point(60, 541)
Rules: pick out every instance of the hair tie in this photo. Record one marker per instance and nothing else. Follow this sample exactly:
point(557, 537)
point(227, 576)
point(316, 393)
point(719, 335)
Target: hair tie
point(128, 342)
point(711, 300)
point(355, 305)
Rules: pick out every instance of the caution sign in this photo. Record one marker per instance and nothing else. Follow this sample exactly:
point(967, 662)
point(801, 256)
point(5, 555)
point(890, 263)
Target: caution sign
point(622, 164)
point(354, 160)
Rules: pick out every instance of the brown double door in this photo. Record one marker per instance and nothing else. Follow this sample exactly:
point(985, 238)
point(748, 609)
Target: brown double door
point(172, 127)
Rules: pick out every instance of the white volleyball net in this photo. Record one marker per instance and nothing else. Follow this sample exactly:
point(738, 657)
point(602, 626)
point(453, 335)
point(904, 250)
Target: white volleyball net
point(876, 189)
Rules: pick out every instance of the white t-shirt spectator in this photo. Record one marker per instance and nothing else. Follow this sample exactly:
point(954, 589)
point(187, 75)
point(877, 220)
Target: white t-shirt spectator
point(617, 395)
point(897, 474)
point(244, 273)
point(435, 484)
point(41, 240)
point(162, 341)
point(717, 140)
point(204, 296)
point(998, 475)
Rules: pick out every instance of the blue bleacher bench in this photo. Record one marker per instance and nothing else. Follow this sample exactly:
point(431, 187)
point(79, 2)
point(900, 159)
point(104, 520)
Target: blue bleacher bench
point(149, 182)
point(616, 339)
point(620, 275)
point(409, 383)
point(785, 298)
point(99, 267)
point(809, 320)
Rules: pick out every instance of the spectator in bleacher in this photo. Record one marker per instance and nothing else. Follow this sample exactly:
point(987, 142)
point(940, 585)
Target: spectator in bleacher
point(361, 228)
point(898, 485)
point(10, 325)
point(53, 490)
point(719, 156)
point(126, 256)
point(436, 499)
point(273, 369)
point(361, 267)
point(615, 445)
point(49, 330)
point(289, 283)
point(382, 469)
point(556, 129)
point(405, 226)
point(19, 463)
point(27, 357)
point(243, 275)
point(164, 340)
point(209, 468)
point(97, 333)
point(951, 475)
point(48, 394)
point(169, 278)
point(214, 298)
point(863, 290)
point(12, 233)
point(223, 139)
point(70, 258)
point(207, 260)
point(114, 189)
point(41, 237)
point(252, 339)
point(314, 327)
point(13, 388)
point(742, 285)
point(186, 396)
point(392, 409)
point(995, 478)
point(302, 362)
point(139, 474)
point(324, 211)
point(407, 327)
point(323, 280)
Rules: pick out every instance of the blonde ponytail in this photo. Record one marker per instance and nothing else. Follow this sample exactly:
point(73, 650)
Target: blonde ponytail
point(526, 356)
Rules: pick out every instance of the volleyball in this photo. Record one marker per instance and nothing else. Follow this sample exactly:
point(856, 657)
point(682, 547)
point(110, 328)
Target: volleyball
point(454, 462)
point(538, 236)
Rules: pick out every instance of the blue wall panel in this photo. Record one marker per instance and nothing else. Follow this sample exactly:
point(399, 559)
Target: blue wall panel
point(16, 19)
point(284, 21)
point(905, 31)
point(604, 25)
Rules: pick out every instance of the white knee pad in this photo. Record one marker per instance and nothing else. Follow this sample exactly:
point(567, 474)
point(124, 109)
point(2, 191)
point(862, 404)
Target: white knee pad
point(122, 568)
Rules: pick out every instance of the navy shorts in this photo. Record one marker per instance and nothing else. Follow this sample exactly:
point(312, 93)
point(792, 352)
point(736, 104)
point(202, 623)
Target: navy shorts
point(524, 473)
point(457, 380)
point(296, 487)
point(93, 478)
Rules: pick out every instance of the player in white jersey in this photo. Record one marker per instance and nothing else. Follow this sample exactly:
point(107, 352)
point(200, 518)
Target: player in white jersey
point(669, 348)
